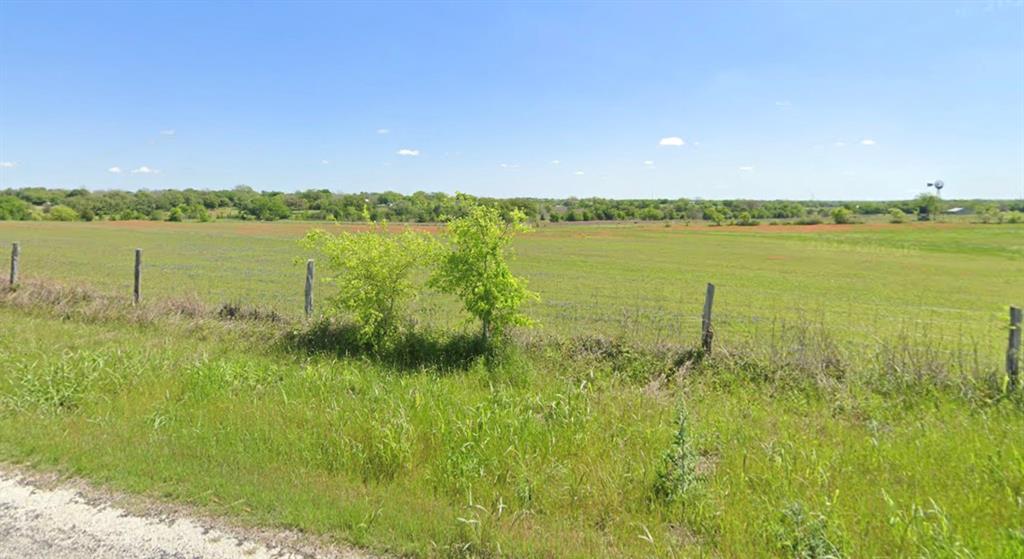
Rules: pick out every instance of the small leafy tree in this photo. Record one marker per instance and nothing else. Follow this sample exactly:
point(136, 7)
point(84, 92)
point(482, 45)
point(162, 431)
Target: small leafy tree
point(842, 215)
point(714, 215)
point(896, 215)
point(746, 219)
point(198, 212)
point(475, 267)
point(374, 273)
point(265, 208)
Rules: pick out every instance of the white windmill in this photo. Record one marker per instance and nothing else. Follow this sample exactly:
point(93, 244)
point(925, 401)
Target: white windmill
point(937, 185)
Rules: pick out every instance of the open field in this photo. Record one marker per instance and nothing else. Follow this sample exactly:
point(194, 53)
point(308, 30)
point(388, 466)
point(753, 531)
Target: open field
point(644, 281)
point(799, 438)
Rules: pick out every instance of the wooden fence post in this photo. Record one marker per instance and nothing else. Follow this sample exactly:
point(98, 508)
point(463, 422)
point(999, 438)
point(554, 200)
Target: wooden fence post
point(707, 331)
point(15, 255)
point(137, 292)
point(309, 288)
point(1013, 349)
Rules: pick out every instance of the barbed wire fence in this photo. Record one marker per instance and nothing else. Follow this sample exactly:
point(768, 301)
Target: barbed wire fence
point(871, 331)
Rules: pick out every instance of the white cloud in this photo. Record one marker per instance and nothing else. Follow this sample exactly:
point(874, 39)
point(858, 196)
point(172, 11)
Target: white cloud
point(408, 152)
point(168, 132)
point(674, 141)
point(648, 163)
point(324, 162)
point(509, 166)
point(867, 142)
point(144, 170)
point(746, 168)
point(556, 162)
point(115, 169)
point(383, 131)
point(8, 164)
point(783, 104)
point(578, 173)
point(840, 144)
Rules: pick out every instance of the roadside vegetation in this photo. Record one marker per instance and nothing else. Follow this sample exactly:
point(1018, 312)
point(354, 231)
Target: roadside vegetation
point(572, 446)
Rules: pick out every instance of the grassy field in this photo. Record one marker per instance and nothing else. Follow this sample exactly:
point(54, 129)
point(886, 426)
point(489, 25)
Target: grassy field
point(640, 281)
point(791, 442)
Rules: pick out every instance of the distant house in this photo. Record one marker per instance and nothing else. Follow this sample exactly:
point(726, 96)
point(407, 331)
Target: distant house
point(956, 211)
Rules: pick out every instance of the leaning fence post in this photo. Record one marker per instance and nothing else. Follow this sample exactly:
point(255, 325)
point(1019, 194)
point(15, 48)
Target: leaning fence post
point(309, 288)
point(15, 255)
point(707, 331)
point(137, 292)
point(1013, 348)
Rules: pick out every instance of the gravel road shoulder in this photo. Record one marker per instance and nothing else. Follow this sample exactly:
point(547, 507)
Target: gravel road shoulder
point(45, 517)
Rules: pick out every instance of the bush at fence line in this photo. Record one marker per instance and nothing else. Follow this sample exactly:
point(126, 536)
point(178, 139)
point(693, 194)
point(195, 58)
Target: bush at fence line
point(474, 267)
point(374, 274)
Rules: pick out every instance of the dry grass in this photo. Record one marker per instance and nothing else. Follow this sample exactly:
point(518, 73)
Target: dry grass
point(88, 304)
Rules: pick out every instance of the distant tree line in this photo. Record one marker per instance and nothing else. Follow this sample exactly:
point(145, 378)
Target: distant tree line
point(243, 202)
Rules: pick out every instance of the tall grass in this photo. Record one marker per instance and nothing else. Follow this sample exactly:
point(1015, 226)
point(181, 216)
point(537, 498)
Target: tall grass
point(790, 444)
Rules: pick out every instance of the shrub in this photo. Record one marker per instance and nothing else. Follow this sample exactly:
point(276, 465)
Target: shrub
point(176, 215)
point(12, 208)
point(265, 208)
point(746, 219)
point(989, 213)
point(200, 213)
point(842, 215)
point(475, 267)
point(374, 276)
point(62, 213)
point(805, 534)
point(714, 215)
point(810, 220)
point(896, 215)
point(678, 470)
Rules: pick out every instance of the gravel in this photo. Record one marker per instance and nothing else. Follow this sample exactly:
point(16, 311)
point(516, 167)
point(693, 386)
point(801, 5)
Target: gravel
point(67, 519)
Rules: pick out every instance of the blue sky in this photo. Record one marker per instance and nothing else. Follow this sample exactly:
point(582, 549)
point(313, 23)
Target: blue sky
point(714, 100)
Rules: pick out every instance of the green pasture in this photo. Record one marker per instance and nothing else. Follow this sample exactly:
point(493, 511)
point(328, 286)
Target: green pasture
point(945, 281)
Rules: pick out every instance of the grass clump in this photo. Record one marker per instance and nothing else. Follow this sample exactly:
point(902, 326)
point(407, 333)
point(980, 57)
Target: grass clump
point(64, 383)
